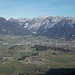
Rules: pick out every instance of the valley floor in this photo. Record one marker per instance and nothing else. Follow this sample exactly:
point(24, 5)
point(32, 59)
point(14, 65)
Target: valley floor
point(31, 55)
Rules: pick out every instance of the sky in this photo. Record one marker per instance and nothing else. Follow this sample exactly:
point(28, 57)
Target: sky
point(36, 8)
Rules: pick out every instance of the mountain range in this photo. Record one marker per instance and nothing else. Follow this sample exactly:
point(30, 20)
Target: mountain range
point(50, 26)
point(12, 28)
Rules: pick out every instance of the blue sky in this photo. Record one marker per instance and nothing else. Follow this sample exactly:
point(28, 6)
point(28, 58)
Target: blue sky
point(36, 8)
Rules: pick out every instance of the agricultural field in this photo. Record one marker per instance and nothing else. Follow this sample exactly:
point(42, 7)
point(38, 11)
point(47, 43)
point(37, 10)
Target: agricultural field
point(31, 55)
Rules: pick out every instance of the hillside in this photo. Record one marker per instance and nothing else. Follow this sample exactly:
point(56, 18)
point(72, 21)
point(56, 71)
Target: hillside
point(11, 28)
point(50, 26)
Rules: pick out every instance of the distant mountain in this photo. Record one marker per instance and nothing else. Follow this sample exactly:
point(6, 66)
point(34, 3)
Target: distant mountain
point(12, 28)
point(58, 27)
point(31, 24)
point(50, 26)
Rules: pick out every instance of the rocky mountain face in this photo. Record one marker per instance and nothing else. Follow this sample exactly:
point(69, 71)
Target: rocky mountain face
point(12, 28)
point(58, 27)
point(31, 24)
point(50, 26)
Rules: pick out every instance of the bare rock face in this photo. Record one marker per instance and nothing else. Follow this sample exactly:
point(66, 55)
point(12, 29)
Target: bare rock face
point(12, 28)
point(58, 27)
point(50, 26)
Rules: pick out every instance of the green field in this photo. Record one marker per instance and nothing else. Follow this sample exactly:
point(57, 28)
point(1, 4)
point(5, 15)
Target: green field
point(23, 55)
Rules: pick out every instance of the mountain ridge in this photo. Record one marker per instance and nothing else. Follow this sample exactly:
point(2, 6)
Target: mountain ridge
point(50, 26)
point(11, 28)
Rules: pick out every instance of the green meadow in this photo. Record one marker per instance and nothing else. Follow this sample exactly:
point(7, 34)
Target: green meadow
point(23, 55)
